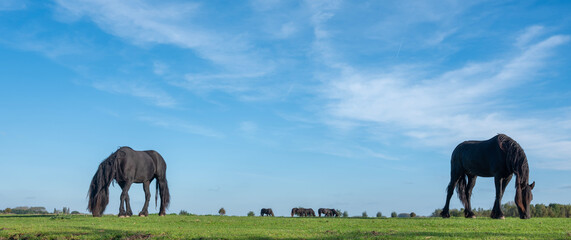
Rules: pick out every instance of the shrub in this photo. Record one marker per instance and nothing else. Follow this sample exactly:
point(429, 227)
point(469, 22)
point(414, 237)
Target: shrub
point(345, 214)
point(365, 214)
point(251, 214)
point(184, 213)
point(379, 215)
point(222, 212)
point(394, 214)
point(412, 214)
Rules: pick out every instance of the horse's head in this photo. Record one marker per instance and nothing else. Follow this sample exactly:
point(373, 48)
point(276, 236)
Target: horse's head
point(99, 187)
point(523, 198)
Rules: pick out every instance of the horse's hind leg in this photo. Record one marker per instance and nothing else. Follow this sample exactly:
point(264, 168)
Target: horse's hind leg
point(468, 207)
point(144, 212)
point(165, 195)
point(497, 210)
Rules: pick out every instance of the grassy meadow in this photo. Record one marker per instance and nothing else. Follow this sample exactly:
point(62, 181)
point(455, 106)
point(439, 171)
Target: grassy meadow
point(226, 227)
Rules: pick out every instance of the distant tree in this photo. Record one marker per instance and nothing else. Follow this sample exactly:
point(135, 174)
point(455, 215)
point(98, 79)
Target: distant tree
point(75, 212)
point(394, 214)
point(456, 212)
point(251, 214)
point(8, 210)
point(436, 213)
point(345, 214)
point(222, 212)
point(365, 214)
point(183, 213)
point(379, 215)
point(412, 214)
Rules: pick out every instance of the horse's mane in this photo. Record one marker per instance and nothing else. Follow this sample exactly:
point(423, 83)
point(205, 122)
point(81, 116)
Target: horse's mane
point(99, 188)
point(515, 158)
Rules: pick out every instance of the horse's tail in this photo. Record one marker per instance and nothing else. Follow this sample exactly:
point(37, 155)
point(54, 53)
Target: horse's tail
point(99, 188)
point(461, 189)
point(164, 191)
point(162, 183)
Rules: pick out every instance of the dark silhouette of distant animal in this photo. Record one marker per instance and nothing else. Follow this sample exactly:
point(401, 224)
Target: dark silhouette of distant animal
point(309, 212)
point(328, 212)
point(127, 166)
point(267, 212)
point(303, 212)
point(499, 157)
point(294, 211)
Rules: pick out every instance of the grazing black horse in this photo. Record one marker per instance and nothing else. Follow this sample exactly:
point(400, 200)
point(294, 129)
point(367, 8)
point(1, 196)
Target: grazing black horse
point(328, 212)
point(303, 212)
point(294, 211)
point(499, 157)
point(127, 166)
point(267, 212)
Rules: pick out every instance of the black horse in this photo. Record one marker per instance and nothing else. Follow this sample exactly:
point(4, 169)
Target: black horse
point(303, 212)
point(267, 212)
point(328, 212)
point(127, 166)
point(499, 157)
point(294, 211)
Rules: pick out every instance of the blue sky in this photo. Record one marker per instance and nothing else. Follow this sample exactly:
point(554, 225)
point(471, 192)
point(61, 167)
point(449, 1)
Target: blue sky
point(341, 104)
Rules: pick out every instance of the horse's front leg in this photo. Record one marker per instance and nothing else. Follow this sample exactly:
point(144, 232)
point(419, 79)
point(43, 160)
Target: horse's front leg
point(125, 200)
point(497, 210)
point(144, 212)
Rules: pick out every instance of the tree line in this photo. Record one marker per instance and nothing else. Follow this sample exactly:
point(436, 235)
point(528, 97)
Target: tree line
point(553, 210)
point(37, 210)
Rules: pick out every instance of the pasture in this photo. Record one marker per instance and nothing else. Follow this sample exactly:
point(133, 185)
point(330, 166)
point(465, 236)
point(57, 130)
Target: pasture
point(228, 227)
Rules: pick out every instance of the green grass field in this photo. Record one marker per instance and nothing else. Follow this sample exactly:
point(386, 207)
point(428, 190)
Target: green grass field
point(224, 227)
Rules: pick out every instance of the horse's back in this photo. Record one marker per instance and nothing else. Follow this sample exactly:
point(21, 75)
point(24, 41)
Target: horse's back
point(139, 166)
point(479, 158)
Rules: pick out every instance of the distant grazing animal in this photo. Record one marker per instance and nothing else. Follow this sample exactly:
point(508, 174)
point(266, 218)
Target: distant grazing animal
point(499, 157)
point(267, 212)
point(294, 211)
point(127, 166)
point(303, 212)
point(307, 212)
point(328, 212)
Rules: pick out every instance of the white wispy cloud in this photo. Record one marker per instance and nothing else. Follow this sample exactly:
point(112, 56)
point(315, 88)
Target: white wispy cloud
point(153, 95)
point(442, 108)
point(171, 23)
point(181, 125)
point(529, 34)
point(445, 102)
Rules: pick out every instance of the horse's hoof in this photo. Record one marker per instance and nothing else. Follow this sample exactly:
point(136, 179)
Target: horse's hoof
point(502, 217)
point(474, 216)
point(122, 216)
